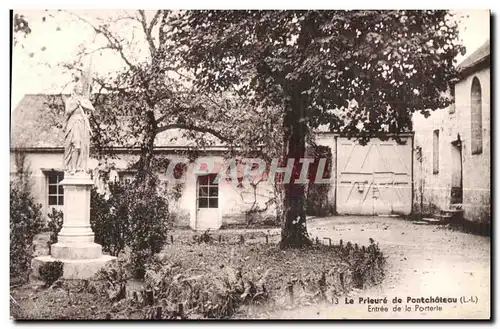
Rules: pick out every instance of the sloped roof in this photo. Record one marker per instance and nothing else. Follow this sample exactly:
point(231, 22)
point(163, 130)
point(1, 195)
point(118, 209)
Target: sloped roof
point(479, 56)
point(35, 125)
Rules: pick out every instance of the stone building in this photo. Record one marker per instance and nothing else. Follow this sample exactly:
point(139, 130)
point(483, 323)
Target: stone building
point(375, 179)
point(452, 147)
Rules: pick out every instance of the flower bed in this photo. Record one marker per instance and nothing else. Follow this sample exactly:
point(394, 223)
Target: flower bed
point(199, 277)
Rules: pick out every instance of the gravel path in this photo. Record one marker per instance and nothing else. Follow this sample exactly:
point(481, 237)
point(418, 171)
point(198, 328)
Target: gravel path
point(423, 261)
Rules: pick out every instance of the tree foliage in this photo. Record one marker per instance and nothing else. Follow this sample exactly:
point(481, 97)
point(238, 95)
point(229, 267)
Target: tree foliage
point(22, 28)
point(21, 25)
point(360, 72)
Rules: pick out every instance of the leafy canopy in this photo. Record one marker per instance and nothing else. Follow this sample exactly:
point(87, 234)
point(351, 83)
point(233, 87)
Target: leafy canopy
point(360, 72)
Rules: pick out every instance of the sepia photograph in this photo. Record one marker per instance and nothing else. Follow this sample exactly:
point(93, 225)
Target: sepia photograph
point(170, 164)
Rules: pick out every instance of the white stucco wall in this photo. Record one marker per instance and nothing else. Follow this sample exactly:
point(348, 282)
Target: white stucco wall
point(39, 162)
point(433, 191)
point(233, 200)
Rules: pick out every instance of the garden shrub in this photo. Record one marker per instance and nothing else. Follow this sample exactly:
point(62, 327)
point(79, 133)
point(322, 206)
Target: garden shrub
point(148, 228)
point(25, 222)
point(205, 237)
point(133, 219)
point(114, 277)
point(55, 224)
point(109, 217)
point(50, 272)
point(367, 264)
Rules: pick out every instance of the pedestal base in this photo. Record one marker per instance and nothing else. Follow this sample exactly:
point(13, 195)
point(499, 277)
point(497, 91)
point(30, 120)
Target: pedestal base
point(78, 269)
point(76, 251)
point(82, 258)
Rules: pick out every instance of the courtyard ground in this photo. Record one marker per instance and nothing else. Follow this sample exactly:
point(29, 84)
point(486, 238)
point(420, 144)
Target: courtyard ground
point(423, 261)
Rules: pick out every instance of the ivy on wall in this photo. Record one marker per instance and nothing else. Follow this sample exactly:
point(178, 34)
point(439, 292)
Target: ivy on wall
point(317, 203)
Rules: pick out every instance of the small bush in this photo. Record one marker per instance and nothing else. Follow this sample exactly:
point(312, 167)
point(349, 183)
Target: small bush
point(109, 217)
point(367, 264)
point(55, 224)
point(148, 228)
point(114, 277)
point(51, 272)
point(203, 238)
point(133, 219)
point(25, 222)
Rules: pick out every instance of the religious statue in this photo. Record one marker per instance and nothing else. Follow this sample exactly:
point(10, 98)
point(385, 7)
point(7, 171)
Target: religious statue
point(77, 130)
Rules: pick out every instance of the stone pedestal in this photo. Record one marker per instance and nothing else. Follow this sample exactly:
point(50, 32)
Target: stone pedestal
point(75, 246)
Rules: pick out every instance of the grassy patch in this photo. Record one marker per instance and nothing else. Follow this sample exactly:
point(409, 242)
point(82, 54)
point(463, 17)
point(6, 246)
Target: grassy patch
point(203, 276)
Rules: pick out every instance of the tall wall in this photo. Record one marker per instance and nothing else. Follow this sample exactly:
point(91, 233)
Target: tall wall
point(432, 191)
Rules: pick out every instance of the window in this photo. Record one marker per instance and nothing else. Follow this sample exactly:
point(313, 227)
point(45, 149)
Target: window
point(476, 117)
point(435, 152)
point(56, 190)
point(208, 192)
point(126, 177)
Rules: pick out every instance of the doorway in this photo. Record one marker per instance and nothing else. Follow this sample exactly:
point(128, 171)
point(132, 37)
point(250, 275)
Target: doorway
point(456, 172)
point(207, 202)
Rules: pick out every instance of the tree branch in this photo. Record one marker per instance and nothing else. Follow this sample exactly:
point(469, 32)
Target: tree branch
point(161, 33)
point(192, 128)
point(147, 29)
point(113, 42)
point(106, 86)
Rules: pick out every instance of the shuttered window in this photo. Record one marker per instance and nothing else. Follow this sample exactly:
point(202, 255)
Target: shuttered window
point(435, 151)
point(476, 119)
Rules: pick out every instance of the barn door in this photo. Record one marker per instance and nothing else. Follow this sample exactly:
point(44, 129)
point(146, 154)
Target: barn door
point(373, 179)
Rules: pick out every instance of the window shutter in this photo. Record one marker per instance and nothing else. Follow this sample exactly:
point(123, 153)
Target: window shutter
point(435, 151)
point(476, 117)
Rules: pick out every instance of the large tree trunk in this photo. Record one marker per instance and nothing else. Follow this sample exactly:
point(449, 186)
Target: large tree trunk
point(144, 175)
point(294, 229)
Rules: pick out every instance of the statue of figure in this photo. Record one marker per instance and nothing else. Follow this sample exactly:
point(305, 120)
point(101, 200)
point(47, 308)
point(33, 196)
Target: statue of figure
point(77, 131)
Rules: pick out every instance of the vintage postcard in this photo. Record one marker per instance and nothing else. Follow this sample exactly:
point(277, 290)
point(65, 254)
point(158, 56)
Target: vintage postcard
point(250, 164)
